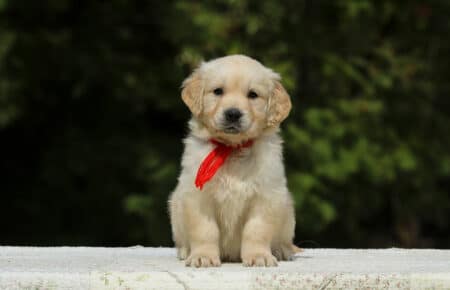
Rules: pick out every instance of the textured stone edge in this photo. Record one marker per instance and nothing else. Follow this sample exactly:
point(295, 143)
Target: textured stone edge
point(204, 279)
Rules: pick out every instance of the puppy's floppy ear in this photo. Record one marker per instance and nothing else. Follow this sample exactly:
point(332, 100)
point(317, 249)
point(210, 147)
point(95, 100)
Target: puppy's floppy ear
point(192, 93)
point(279, 105)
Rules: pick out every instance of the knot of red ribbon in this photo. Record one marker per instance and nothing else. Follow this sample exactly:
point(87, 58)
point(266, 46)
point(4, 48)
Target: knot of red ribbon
point(215, 160)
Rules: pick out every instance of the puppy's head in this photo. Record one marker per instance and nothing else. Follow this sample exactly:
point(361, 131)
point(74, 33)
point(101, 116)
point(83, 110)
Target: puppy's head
point(236, 98)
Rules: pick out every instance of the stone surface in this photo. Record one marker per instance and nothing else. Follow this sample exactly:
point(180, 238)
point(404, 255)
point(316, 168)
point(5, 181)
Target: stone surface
point(158, 268)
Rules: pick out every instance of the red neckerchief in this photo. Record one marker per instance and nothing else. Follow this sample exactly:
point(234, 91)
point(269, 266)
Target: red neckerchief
point(215, 160)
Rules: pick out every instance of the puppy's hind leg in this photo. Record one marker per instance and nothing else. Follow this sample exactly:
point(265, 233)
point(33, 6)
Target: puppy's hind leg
point(178, 231)
point(289, 249)
point(182, 252)
point(285, 251)
point(283, 248)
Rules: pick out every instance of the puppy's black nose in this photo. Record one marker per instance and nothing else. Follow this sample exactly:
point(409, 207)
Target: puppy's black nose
point(232, 115)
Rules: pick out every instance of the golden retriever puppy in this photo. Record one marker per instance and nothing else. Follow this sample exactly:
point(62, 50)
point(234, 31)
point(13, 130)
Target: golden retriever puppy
point(231, 202)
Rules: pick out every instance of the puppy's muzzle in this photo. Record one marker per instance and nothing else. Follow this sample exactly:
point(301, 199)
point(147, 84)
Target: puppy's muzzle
point(232, 120)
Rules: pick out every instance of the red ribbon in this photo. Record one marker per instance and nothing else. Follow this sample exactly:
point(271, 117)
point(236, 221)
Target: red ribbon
point(215, 160)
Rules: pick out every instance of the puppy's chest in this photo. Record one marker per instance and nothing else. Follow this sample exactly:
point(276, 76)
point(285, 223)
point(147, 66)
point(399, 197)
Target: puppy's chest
point(237, 178)
point(235, 185)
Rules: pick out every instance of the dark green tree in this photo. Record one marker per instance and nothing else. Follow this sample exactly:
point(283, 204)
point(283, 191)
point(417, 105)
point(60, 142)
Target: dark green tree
point(91, 121)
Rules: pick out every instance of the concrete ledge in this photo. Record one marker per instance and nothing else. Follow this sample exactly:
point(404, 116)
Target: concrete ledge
point(158, 268)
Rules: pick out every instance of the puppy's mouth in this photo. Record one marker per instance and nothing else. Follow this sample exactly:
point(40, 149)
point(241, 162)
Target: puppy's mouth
point(233, 129)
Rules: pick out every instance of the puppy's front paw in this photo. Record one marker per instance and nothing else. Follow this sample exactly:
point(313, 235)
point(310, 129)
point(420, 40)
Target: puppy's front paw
point(259, 260)
point(203, 260)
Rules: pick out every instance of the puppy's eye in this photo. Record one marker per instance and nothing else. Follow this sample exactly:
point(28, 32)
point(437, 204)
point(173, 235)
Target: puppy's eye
point(252, 95)
point(218, 92)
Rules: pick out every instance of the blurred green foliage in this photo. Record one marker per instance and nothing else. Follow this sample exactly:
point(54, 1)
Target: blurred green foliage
point(91, 121)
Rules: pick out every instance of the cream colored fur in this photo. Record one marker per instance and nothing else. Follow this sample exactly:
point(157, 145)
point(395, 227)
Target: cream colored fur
point(245, 212)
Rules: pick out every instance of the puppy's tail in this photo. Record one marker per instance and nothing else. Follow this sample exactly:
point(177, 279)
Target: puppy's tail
point(296, 249)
